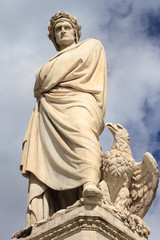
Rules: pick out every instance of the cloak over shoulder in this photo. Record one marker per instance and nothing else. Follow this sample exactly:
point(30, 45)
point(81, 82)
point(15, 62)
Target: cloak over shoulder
point(61, 146)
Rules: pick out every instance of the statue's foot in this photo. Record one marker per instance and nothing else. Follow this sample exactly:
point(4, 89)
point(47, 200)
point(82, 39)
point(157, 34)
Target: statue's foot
point(91, 190)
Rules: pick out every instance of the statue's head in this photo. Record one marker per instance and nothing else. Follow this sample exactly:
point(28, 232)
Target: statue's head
point(66, 21)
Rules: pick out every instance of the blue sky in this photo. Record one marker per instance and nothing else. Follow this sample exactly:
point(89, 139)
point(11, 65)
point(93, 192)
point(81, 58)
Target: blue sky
point(130, 33)
point(152, 22)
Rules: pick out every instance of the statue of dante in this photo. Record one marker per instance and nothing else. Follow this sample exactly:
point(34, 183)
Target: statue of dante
point(61, 151)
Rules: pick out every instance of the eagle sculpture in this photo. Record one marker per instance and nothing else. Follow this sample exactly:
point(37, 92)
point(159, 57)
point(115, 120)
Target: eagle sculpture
point(128, 187)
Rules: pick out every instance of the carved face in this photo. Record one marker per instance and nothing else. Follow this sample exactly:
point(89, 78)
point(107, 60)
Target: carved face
point(64, 34)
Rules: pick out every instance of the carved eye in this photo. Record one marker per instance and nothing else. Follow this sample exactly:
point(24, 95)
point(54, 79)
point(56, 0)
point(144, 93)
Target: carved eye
point(67, 27)
point(57, 29)
point(119, 126)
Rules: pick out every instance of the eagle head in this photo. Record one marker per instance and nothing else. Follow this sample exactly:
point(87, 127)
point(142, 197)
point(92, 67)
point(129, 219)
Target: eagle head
point(118, 131)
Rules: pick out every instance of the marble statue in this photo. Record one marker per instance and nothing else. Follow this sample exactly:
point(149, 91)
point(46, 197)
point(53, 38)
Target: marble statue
point(61, 151)
point(62, 156)
point(75, 191)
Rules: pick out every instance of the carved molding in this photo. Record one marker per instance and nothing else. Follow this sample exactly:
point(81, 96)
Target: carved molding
point(83, 223)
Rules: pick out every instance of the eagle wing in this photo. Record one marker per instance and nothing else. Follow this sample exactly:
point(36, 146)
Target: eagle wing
point(144, 185)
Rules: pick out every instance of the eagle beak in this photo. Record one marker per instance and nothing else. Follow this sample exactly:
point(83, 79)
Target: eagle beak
point(111, 126)
point(108, 124)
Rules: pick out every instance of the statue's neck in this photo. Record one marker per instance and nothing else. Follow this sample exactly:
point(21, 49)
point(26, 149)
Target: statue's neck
point(121, 145)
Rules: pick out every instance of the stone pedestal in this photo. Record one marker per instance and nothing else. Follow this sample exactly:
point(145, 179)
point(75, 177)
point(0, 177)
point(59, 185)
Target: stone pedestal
point(80, 222)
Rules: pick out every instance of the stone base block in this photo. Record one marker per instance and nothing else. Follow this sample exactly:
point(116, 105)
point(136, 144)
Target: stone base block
point(80, 222)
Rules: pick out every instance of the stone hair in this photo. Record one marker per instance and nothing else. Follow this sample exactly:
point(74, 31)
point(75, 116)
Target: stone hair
point(63, 16)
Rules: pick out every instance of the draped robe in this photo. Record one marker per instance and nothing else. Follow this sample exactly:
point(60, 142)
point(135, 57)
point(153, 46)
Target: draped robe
point(61, 147)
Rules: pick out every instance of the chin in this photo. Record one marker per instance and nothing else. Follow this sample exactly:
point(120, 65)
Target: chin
point(66, 42)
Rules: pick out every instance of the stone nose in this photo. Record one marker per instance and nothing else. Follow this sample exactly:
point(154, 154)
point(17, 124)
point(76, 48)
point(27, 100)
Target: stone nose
point(63, 29)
